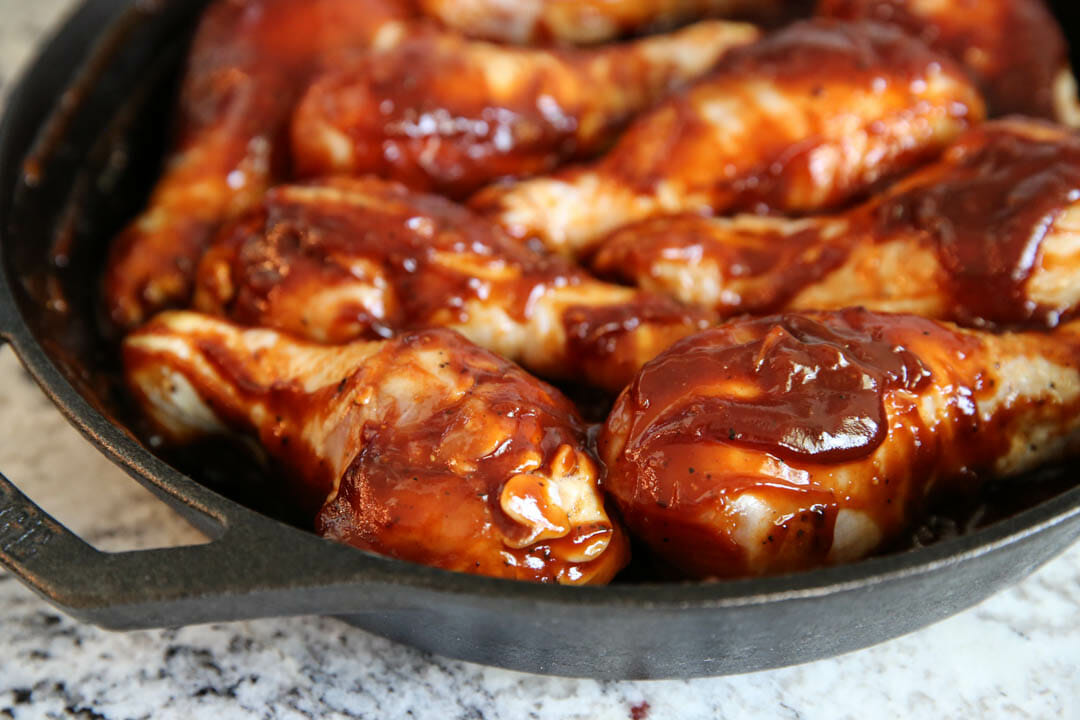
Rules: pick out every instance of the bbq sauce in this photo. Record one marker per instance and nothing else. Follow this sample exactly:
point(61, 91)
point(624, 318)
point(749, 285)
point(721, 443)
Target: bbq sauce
point(1013, 48)
point(465, 476)
point(986, 210)
point(768, 431)
point(247, 66)
point(428, 113)
point(771, 264)
point(421, 257)
point(385, 260)
point(767, 409)
point(787, 161)
point(792, 386)
point(603, 340)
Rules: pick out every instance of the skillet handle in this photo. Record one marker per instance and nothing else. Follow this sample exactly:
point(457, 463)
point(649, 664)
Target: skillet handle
point(31, 542)
point(256, 568)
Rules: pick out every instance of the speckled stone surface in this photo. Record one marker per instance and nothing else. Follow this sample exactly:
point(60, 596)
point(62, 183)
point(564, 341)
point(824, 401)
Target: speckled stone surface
point(1015, 656)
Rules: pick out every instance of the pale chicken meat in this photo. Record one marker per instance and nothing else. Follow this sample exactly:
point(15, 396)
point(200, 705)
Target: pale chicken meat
point(987, 236)
point(345, 258)
point(788, 442)
point(1014, 49)
point(808, 118)
point(440, 112)
point(249, 62)
point(592, 21)
point(425, 448)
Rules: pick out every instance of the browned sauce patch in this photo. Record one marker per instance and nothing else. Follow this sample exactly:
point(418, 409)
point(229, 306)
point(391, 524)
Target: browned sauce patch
point(810, 62)
point(984, 212)
point(248, 65)
point(421, 459)
point(298, 241)
point(338, 259)
point(779, 263)
point(987, 214)
point(1013, 48)
point(790, 385)
point(444, 114)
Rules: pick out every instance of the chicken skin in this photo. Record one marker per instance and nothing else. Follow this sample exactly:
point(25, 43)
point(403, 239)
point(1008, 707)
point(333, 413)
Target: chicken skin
point(591, 21)
point(805, 119)
point(249, 62)
point(348, 258)
point(441, 113)
point(425, 447)
point(1014, 49)
point(783, 443)
point(988, 236)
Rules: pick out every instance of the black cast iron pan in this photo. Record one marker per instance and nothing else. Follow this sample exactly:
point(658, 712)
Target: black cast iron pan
point(79, 148)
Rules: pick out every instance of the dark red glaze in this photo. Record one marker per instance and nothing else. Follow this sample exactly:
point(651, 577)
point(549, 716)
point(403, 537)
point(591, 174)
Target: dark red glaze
point(422, 118)
point(428, 112)
point(419, 260)
point(812, 61)
point(405, 484)
point(249, 62)
point(738, 450)
point(801, 388)
point(297, 243)
point(987, 210)
point(779, 264)
point(976, 224)
point(714, 417)
point(424, 478)
point(611, 341)
point(1013, 48)
point(811, 117)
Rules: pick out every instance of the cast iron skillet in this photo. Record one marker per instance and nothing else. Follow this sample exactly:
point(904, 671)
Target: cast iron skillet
point(94, 108)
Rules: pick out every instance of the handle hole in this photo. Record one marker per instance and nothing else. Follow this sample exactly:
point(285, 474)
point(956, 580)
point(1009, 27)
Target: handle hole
point(57, 468)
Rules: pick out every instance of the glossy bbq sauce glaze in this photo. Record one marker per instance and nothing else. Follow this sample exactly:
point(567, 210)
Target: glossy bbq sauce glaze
point(761, 267)
point(461, 474)
point(792, 386)
point(754, 406)
point(421, 114)
point(603, 340)
point(345, 232)
point(344, 258)
point(487, 471)
point(878, 71)
point(247, 66)
point(987, 213)
point(444, 114)
point(1014, 48)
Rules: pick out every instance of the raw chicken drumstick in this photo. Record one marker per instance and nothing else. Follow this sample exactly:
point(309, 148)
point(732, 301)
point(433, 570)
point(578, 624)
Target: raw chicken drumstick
point(439, 112)
point(425, 447)
point(591, 21)
point(1014, 49)
point(248, 64)
point(805, 119)
point(346, 258)
point(787, 442)
point(990, 235)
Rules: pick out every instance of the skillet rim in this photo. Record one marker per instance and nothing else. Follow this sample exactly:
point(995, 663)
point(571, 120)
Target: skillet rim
point(179, 489)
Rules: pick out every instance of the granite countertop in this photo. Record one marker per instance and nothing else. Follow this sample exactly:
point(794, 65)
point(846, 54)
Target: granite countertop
point(1015, 656)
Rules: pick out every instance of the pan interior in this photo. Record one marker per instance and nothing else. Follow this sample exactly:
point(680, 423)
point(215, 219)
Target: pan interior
point(91, 169)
